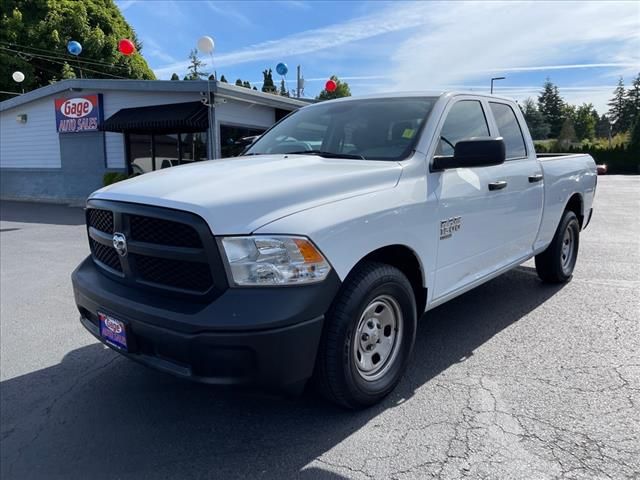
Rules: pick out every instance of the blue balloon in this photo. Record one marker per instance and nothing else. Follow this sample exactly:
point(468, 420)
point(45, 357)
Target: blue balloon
point(282, 69)
point(74, 48)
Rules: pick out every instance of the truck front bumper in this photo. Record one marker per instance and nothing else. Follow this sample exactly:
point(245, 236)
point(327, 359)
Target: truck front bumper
point(265, 336)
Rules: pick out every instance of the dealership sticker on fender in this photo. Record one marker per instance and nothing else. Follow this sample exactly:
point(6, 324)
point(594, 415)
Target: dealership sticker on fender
point(113, 331)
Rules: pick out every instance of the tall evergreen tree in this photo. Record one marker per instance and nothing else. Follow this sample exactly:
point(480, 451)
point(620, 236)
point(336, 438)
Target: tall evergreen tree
point(551, 106)
point(267, 85)
point(538, 128)
point(632, 100)
point(238, 82)
point(617, 109)
point(283, 89)
point(223, 79)
point(174, 76)
point(195, 67)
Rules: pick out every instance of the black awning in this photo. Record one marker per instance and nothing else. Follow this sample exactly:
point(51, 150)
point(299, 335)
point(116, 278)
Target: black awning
point(171, 118)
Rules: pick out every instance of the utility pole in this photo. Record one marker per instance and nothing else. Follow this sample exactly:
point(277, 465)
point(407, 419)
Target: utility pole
point(298, 86)
point(495, 78)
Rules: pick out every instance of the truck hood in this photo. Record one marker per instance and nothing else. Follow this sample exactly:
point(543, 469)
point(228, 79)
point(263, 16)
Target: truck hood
point(239, 195)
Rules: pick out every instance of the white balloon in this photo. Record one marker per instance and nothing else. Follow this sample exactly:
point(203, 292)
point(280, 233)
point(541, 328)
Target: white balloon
point(205, 44)
point(18, 77)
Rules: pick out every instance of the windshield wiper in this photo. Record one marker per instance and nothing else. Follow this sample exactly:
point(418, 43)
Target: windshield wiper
point(322, 153)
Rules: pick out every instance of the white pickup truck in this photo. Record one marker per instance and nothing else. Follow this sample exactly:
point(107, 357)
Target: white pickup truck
point(314, 254)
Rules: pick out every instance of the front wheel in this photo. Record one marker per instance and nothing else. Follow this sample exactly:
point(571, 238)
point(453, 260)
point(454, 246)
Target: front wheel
point(368, 336)
point(556, 263)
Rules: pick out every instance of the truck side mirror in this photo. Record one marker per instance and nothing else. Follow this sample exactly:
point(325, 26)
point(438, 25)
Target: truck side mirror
point(475, 152)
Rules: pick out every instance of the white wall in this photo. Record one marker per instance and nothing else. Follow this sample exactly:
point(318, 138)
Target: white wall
point(33, 144)
point(246, 114)
point(116, 100)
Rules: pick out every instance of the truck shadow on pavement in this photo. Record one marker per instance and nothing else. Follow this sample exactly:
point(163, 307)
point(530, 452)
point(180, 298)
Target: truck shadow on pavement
point(50, 214)
point(98, 415)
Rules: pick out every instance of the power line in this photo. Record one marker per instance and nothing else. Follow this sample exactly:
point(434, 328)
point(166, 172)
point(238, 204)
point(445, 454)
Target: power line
point(56, 53)
point(46, 58)
point(70, 60)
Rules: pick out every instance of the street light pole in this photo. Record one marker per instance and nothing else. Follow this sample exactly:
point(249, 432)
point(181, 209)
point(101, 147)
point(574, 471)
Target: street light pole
point(495, 78)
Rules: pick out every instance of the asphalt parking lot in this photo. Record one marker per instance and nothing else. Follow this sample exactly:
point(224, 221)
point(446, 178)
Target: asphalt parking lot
point(514, 379)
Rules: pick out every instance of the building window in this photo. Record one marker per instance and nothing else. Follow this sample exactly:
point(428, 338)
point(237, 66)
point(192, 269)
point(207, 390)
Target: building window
point(233, 140)
point(149, 152)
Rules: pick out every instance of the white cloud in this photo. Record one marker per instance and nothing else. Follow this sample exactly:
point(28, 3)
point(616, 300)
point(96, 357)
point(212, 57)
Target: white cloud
point(228, 10)
point(459, 39)
point(125, 4)
point(463, 42)
point(310, 41)
point(153, 49)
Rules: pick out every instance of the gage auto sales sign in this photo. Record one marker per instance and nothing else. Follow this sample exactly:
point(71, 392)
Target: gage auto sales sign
point(79, 114)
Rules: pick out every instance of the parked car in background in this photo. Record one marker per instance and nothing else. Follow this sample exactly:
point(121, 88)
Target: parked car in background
point(316, 252)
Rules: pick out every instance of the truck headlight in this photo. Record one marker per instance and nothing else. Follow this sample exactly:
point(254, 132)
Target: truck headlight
point(274, 260)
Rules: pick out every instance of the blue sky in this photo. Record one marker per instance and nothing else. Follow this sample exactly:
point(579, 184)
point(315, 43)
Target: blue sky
point(584, 47)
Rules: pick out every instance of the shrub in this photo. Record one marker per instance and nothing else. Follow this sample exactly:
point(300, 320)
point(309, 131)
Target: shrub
point(113, 177)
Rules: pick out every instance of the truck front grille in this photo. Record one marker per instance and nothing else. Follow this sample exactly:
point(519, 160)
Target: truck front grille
point(163, 232)
point(105, 255)
point(100, 219)
point(167, 250)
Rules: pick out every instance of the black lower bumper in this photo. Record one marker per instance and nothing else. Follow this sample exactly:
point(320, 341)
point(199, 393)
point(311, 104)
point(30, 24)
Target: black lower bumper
point(257, 336)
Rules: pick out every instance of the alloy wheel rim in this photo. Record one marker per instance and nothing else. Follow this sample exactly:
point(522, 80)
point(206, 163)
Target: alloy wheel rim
point(377, 337)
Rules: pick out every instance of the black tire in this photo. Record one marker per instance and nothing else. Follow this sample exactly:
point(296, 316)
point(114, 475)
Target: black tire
point(337, 374)
point(552, 265)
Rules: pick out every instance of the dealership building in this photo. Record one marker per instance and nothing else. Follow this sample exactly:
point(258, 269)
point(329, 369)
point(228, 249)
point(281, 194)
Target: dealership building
point(57, 142)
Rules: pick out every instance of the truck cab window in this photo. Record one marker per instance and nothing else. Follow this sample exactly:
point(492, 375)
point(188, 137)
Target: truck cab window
point(509, 129)
point(465, 120)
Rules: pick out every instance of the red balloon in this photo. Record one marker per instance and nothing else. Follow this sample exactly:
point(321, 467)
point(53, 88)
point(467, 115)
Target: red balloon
point(126, 47)
point(330, 86)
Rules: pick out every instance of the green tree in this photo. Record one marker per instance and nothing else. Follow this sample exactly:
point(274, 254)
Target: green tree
point(238, 83)
point(567, 134)
point(283, 89)
point(602, 127)
point(342, 90)
point(632, 100)
point(174, 76)
point(195, 68)
point(618, 109)
point(634, 145)
point(67, 72)
point(538, 128)
point(34, 36)
point(585, 121)
point(552, 108)
point(223, 80)
point(267, 84)
point(246, 84)
point(212, 77)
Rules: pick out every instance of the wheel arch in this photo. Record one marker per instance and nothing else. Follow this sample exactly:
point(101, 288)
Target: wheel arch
point(575, 204)
point(408, 262)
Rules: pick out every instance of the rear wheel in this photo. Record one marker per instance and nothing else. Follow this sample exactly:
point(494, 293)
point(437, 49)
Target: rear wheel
point(556, 263)
point(368, 336)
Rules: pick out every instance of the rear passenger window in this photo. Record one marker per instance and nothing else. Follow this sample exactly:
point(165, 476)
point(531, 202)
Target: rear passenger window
point(509, 129)
point(465, 120)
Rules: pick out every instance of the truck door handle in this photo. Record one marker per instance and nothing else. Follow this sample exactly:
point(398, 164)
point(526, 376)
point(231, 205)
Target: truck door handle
point(497, 185)
point(535, 178)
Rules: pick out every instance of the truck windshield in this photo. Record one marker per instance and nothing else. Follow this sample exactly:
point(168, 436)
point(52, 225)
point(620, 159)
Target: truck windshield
point(371, 129)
